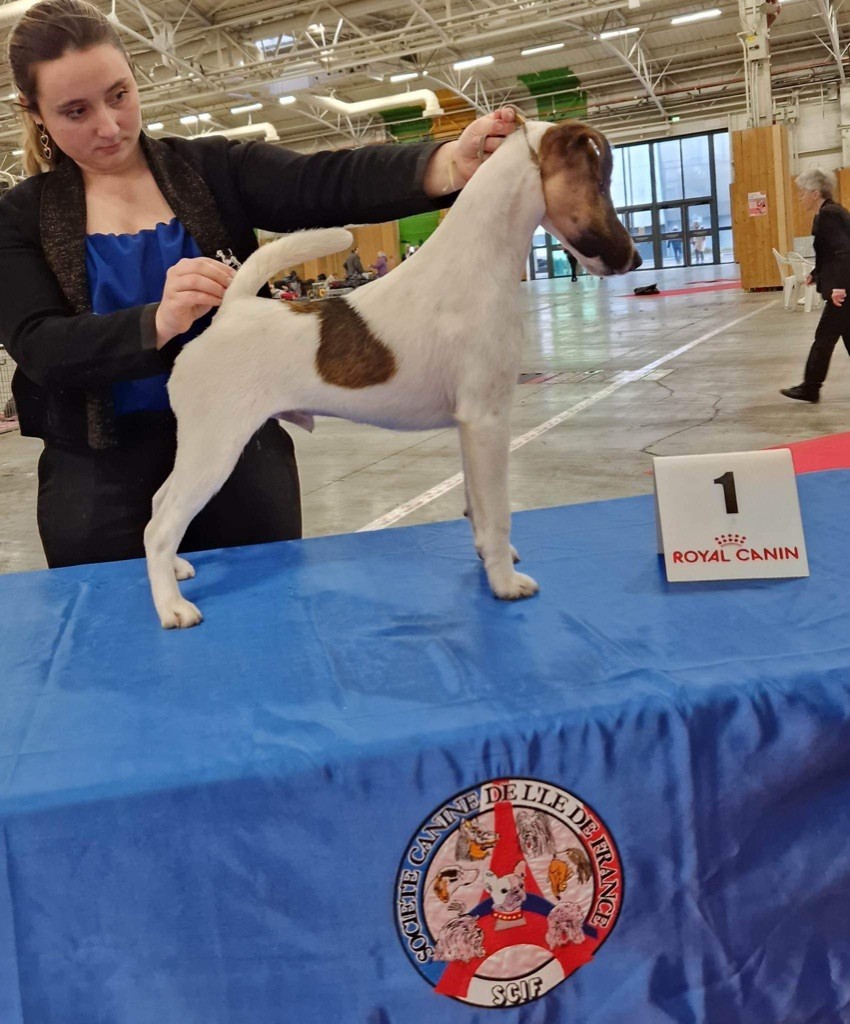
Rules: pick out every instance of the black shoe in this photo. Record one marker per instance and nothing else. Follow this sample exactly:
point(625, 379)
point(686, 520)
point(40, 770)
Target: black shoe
point(803, 393)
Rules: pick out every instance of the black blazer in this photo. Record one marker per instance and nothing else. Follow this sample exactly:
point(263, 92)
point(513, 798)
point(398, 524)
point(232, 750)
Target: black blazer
point(831, 230)
point(68, 357)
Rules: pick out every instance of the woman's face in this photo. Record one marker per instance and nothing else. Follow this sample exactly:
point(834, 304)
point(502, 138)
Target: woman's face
point(89, 103)
point(810, 199)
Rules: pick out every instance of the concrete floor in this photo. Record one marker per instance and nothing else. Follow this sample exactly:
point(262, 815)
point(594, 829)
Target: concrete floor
point(719, 395)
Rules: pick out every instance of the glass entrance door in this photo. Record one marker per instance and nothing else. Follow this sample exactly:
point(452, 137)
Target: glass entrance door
point(686, 234)
point(639, 225)
point(671, 235)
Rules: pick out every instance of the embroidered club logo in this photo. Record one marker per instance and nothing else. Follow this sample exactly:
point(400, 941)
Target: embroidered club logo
point(506, 890)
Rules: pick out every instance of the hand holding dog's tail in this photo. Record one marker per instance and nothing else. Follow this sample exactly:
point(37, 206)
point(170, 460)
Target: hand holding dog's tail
point(282, 254)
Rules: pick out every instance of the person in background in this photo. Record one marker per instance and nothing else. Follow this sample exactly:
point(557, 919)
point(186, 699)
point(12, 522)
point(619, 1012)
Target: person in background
point(115, 252)
point(699, 243)
point(381, 265)
point(831, 231)
point(353, 264)
point(573, 262)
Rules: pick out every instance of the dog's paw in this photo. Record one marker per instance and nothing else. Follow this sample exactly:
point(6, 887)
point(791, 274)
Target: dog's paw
point(183, 570)
point(180, 614)
point(515, 586)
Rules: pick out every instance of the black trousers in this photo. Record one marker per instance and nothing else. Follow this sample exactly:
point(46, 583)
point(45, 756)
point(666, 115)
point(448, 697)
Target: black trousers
point(834, 323)
point(93, 506)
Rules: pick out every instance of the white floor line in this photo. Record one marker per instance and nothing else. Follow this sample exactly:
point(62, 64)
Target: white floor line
point(622, 379)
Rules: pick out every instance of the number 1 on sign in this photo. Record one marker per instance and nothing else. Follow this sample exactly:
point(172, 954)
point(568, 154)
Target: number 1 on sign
point(730, 495)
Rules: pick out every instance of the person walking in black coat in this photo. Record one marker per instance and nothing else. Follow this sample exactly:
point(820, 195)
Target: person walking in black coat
point(831, 230)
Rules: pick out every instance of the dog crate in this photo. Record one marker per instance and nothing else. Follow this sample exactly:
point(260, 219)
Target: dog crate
point(8, 414)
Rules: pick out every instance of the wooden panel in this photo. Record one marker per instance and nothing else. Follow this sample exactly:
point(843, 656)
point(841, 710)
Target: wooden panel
point(843, 196)
point(371, 239)
point(761, 164)
point(457, 116)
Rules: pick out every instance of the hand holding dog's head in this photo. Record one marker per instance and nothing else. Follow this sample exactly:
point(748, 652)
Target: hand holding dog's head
point(575, 167)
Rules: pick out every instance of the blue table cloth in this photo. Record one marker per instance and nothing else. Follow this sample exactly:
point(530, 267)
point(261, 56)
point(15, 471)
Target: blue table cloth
point(366, 791)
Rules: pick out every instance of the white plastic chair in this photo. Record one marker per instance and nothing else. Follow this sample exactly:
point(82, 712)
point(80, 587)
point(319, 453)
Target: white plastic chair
point(802, 268)
point(789, 280)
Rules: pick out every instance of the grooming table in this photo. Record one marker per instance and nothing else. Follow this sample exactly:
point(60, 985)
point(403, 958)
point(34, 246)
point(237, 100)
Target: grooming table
point(366, 792)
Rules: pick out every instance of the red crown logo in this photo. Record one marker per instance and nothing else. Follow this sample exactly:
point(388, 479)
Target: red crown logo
point(730, 540)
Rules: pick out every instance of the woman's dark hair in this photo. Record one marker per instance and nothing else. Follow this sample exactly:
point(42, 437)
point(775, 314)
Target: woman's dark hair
point(47, 32)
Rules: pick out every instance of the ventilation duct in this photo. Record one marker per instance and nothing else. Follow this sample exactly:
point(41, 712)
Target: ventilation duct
point(263, 128)
point(416, 97)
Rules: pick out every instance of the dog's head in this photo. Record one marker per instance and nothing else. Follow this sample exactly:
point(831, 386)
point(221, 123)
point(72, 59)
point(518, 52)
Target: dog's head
point(508, 891)
point(575, 166)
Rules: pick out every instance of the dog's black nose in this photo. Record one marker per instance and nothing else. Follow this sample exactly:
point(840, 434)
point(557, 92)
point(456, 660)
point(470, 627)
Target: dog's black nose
point(636, 261)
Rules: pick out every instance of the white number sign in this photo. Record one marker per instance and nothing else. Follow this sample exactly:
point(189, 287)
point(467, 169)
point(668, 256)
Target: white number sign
point(734, 515)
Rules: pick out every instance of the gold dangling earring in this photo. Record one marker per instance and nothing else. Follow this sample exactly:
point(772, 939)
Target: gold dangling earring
point(44, 139)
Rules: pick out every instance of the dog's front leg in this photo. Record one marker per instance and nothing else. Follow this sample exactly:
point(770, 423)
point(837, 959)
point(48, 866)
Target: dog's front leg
point(484, 445)
point(467, 511)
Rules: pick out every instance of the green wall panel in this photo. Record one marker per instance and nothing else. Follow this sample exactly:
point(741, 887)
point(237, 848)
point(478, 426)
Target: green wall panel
point(407, 124)
point(558, 94)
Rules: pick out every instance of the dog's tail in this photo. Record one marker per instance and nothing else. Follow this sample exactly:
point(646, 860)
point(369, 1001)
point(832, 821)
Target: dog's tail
point(283, 253)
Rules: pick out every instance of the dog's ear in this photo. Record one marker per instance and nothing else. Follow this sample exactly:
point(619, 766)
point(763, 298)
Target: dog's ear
point(571, 144)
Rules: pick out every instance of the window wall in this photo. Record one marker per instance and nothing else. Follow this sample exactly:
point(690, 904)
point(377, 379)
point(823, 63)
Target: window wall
point(673, 197)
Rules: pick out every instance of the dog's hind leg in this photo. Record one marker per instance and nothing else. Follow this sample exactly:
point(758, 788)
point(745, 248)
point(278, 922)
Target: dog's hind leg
point(484, 444)
point(206, 455)
point(183, 570)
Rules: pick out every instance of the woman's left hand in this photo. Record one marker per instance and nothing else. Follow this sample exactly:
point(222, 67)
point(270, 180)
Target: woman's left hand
point(481, 139)
point(838, 296)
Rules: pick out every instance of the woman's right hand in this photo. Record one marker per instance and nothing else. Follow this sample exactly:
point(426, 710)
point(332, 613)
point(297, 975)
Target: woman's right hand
point(192, 288)
point(809, 279)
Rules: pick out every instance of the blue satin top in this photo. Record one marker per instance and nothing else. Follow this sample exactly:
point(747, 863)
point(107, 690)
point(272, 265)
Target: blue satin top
point(129, 270)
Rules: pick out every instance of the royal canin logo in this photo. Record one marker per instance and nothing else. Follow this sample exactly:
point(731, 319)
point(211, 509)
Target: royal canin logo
point(732, 547)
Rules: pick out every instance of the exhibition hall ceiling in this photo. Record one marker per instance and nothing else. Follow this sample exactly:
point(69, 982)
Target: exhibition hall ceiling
point(630, 67)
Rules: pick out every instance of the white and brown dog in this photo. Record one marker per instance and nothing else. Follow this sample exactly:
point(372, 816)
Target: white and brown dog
point(435, 343)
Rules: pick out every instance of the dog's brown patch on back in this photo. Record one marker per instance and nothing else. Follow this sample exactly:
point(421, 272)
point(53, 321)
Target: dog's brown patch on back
point(349, 354)
point(304, 307)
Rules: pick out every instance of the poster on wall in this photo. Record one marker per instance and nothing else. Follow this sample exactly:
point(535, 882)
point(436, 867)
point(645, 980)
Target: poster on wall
point(757, 204)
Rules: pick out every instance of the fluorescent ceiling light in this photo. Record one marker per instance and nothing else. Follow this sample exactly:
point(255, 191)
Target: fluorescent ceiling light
point(473, 62)
point(17, 152)
point(205, 117)
point(284, 101)
point(155, 126)
point(194, 118)
point(246, 109)
point(406, 77)
point(541, 49)
point(615, 32)
point(685, 19)
point(318, 27)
